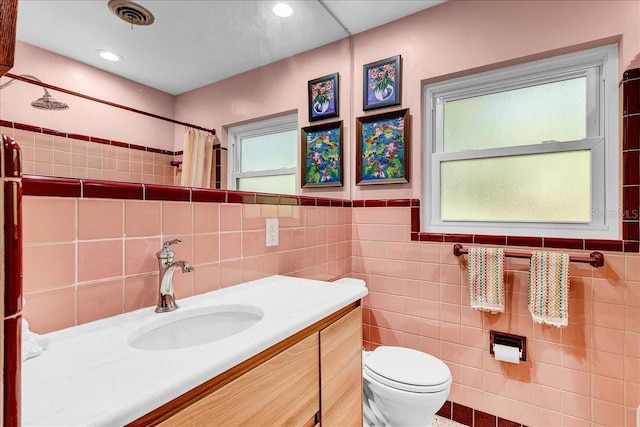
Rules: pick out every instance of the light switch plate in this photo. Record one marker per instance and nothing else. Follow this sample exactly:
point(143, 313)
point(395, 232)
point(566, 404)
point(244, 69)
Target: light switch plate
point(272, 232)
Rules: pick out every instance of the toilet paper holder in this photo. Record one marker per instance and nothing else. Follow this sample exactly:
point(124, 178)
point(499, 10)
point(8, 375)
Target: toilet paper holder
point(510, 340)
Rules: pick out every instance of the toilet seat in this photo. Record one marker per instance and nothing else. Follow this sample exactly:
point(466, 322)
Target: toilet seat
point(407, 369)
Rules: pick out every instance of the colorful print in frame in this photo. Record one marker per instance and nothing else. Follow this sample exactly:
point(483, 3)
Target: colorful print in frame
point(323, 97)
point(382, 148)
point(382, 83)
point(322, 155)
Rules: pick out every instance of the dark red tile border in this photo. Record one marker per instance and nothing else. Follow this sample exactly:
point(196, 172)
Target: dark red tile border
point(561, 243)
point(535, 242)
point(86, 138)
point(633, 73)
point(241, 197)
point(603, 245)
point(206, 195)
point(99, 140)
point(402, 203)
point(489, 240)
point(54, 132)
point(472, 417)
point(458, 238)
point(431, 237)
point(30, 128)
point(445, 410)
point(462, 414)
point(482, 419)
point(121, 144)
point(50, 186)
point(78, 136)
point(167, 193)
point(307, 201)
point(631, 99)
point(375, 203)
point(631, 230)
point(357, 203)
point(631, 167)
point(113, 190)
point(631, 133)
point(631, 203)
point(323, 202)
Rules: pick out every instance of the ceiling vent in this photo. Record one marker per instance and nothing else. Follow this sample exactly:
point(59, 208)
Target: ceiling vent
point(131, 12)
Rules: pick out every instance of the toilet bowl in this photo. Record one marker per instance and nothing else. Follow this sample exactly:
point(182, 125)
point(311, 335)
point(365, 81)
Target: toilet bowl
point(402, 387)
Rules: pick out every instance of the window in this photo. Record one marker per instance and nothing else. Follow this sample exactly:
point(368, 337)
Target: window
point(264, 156)
point(526, 150)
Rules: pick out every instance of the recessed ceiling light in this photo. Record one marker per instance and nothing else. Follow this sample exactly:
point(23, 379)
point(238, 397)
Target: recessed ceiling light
point(283, 10)
point(109, 56)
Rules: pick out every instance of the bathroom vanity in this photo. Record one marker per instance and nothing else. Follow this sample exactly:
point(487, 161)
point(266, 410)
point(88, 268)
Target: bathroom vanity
point(300, 364)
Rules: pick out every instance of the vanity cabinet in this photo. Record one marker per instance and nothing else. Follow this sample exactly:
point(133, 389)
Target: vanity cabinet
point(283, 391)
point(313, 378)
point(341, 371)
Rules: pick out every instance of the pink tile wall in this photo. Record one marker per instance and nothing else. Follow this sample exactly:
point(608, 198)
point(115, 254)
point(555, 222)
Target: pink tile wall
point(585, 374)
point(86, 259)
point(52, 155)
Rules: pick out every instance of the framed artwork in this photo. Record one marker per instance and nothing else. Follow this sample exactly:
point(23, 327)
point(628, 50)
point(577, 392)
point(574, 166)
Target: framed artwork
point(323, 97)
point(382, 83)
point(382, 148)
point(322, 155)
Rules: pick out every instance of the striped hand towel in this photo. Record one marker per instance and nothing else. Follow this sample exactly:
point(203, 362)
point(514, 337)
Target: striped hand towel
point(548, 296)
point(486, 279)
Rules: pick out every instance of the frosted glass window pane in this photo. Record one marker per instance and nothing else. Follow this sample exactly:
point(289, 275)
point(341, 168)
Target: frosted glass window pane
point(281, 184)
point(266, 152)
point(548, 112)
point(553, 187)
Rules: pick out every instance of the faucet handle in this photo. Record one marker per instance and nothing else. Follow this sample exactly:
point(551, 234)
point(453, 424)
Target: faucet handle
point(171, 242)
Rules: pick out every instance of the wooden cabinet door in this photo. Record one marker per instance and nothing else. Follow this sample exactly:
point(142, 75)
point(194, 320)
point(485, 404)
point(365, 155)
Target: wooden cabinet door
point(283, 391)
point(341, 372)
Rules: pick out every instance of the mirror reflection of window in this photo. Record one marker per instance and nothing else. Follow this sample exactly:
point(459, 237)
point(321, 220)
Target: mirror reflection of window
point(264, 156)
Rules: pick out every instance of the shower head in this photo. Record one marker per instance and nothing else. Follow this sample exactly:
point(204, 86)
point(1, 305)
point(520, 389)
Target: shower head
point(46, 102)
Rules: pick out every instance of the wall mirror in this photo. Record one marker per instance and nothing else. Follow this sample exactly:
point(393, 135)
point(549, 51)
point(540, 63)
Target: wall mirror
point(183, 66)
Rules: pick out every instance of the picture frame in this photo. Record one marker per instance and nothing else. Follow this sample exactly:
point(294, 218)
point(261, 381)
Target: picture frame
point(383, 148)
point(382, 83)
point(323, 96)
point(322, 161)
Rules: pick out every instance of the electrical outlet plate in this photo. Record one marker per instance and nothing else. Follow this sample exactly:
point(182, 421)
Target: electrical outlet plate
point(272, 232)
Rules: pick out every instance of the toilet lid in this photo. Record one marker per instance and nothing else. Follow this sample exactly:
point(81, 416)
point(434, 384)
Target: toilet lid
point(408, 369)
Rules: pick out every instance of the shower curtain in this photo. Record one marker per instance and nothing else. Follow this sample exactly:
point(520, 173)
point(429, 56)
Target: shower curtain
point(196, 158)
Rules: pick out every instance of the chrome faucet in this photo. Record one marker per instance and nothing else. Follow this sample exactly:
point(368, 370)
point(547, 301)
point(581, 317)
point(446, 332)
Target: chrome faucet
point(166, 264)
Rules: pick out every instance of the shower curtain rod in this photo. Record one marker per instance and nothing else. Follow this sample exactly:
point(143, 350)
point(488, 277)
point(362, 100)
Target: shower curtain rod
point(109, 103)
point(596, 259)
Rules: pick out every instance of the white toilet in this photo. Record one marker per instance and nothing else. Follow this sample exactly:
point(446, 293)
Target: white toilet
point(402, 387)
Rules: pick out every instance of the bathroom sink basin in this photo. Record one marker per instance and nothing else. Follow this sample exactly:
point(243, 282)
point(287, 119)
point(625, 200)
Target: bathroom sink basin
point(189, 328)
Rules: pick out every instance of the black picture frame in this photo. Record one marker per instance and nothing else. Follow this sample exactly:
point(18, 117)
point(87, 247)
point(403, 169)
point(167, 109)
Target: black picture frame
point(323, 97)
point(321, 155)
point(383, 149)
point(382, 83)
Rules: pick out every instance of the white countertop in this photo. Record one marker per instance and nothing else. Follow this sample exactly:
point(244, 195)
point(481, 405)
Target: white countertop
point(89, 375)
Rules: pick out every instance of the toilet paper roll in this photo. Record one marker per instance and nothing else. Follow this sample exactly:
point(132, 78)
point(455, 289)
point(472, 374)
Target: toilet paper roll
point(506, 353)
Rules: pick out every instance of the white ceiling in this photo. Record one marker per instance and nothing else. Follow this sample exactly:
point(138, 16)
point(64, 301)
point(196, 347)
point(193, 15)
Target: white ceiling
point(195, 43)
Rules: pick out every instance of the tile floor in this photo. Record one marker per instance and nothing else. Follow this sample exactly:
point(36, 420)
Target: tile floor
point(438, 421)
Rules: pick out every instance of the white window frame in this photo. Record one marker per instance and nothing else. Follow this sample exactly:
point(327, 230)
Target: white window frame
point(263, 127)
point(600, 66)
